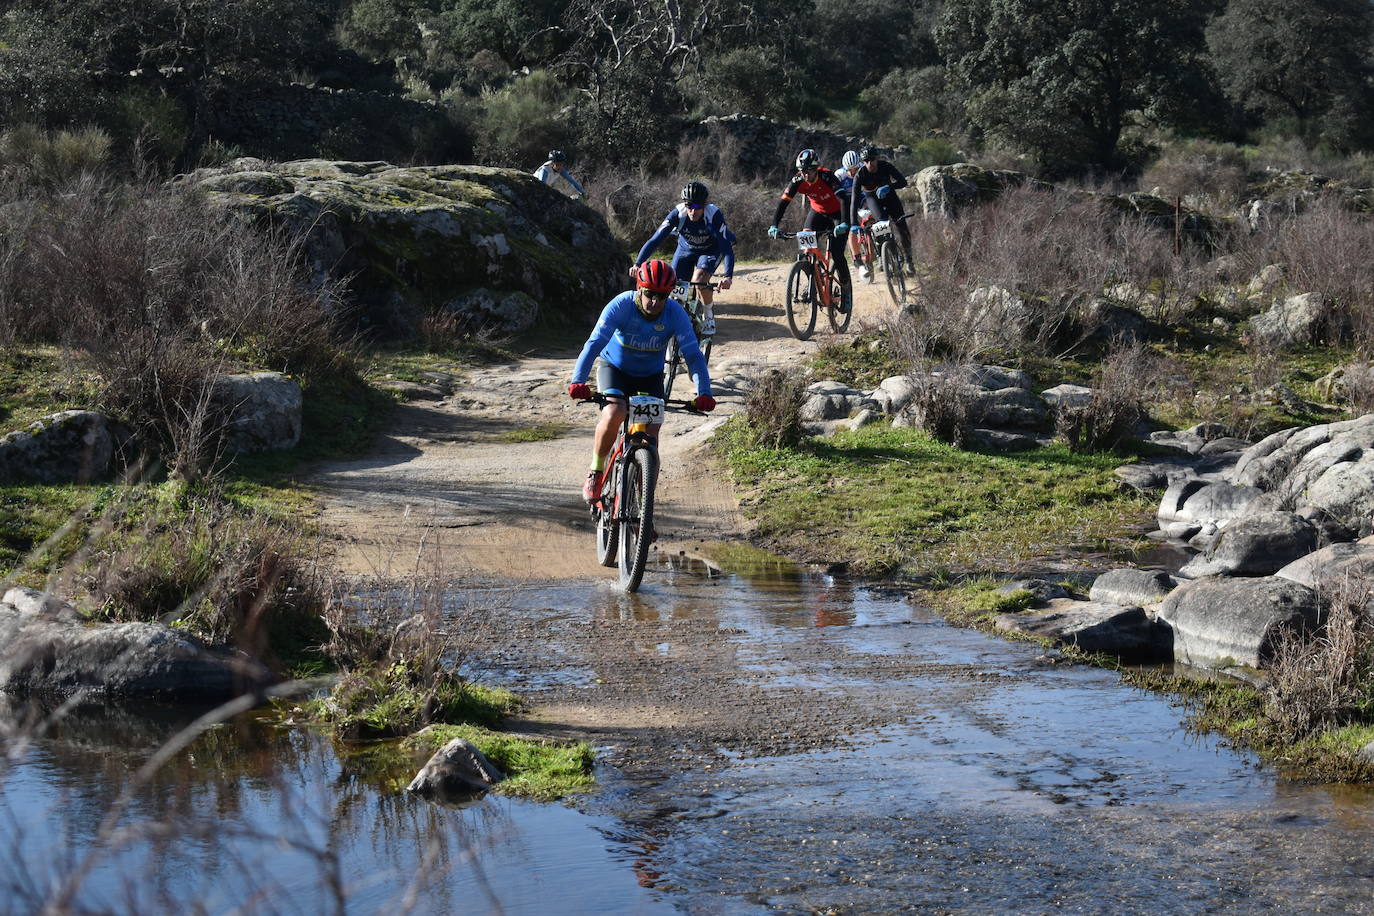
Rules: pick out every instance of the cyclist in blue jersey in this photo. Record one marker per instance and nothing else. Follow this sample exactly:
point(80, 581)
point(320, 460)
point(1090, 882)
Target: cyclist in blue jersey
point(630, 337)
point(703, 243)
point(849, 164)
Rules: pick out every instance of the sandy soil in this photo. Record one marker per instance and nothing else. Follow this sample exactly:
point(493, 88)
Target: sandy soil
point(446, 489)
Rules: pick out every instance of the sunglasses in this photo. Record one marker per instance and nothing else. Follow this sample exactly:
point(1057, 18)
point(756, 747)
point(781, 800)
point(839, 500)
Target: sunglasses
point(650, 294)
point(695, 206)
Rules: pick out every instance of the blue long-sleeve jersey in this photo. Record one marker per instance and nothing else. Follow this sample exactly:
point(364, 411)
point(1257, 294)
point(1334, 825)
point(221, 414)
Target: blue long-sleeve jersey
point(708, 235)
point(633, 344)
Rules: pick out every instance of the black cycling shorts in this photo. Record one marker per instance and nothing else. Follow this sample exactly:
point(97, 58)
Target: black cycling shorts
point(611, 380)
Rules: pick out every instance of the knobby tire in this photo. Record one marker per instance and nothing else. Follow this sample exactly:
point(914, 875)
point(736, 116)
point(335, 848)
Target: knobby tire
point(637, 509)
point(839, 320)
point(802, 291)
point(607, 531)
point(670, 360)
point(893, 272)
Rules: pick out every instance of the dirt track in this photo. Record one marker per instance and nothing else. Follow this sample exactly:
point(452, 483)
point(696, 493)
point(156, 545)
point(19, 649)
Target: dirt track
point(443, 487)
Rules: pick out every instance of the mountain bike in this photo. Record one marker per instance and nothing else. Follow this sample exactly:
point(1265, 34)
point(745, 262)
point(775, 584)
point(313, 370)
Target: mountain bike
point(624, 514)
point(891, 257)
point(867, 254)
point(812, 285)
point(686, 293)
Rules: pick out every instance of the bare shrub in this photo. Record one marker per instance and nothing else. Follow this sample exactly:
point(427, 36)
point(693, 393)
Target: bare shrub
point(1326, 679)
point(158, 294)
point(942, 405)
point(1020, 273)
point(773, 408)
point(1117, 406)
point(1211, 176)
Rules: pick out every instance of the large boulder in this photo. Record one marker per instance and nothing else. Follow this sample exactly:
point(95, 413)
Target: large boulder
point(1201, 501)
point(421, 239)
point(50, 650)
point(1008, 407)
point(262, 411)
point(948, 190)
point(1222, 621)
point(74, 446)
point(1296, 321)
point(1255, 545)
point(1343, 494)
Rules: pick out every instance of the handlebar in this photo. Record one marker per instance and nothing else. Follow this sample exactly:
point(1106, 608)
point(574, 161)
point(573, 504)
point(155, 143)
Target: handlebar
point(601, 400)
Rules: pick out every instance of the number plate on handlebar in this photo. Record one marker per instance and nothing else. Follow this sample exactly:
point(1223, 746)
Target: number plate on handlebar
point(646, 410)
point(881, 229)
point(806, 240)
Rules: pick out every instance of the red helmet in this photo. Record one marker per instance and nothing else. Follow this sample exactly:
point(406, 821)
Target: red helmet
point(656, 276)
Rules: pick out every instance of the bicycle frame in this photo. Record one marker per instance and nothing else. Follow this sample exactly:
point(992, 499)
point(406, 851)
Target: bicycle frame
point(820, 257)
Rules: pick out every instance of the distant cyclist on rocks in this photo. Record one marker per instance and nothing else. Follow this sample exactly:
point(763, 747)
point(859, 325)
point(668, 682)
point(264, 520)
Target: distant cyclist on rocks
point(875, 186)
point(630, 337)
point(555, 168)
point(822, 189)
point(703, 243)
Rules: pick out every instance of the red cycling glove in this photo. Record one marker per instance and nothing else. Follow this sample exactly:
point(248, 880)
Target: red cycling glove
point(580, 391)
point(704, 403)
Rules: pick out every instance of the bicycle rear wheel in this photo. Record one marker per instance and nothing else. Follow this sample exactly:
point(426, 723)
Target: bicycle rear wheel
point(801, 299)
point(893, 273)
point(637, 509)
point(670, 363)
point(839, 319)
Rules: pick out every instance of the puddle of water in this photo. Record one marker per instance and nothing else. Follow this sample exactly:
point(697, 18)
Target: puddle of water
point(268, 819)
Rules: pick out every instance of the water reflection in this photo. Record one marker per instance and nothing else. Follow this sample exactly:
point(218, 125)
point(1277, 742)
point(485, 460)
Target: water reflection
point(258, 816)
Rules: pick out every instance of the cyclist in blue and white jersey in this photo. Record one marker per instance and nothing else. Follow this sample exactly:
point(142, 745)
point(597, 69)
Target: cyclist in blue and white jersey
point(630, 337)
point(555, 169)
point(849, 164)
point(704, 243)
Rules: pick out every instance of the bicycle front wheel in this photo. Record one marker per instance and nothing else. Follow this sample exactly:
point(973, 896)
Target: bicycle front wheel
point(607, 530)
point(670, 364)
point(893, 273)
point(637, 510)
point(801, 300)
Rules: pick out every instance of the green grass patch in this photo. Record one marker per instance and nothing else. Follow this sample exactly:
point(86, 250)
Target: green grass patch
point(30, 515)
point(894, 499)
point(37, 381)
point(862, 362)
point(402, 697)
point(540, 433)
point(542, 770)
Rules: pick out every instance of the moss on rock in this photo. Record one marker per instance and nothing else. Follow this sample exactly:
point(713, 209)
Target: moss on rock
point(414, 240)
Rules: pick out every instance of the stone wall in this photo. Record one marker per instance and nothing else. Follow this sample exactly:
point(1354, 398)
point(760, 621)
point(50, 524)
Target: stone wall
point(295, 121)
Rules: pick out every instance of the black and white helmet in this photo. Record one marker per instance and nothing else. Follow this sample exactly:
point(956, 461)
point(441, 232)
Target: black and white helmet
point(694, 192)
point(807, 159)
point(557, 155)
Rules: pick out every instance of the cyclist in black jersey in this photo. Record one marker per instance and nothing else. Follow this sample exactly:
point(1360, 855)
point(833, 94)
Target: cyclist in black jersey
point(875, 186)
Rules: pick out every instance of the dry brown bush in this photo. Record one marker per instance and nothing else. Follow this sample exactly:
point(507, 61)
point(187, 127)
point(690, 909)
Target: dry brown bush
point(942, 405)
point(1112, 416)
point(157, 293)
point(1325, 679)
point(773, 408)
point(1018, 275)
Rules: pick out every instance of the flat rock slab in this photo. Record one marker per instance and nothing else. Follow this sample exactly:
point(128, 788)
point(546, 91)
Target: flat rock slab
point(1126, 632)
point(1224, 621)
point(1332, 566)
point(1256, 545)
point(48, 650)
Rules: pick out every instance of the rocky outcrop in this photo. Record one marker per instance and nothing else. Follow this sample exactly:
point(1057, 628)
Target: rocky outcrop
point(1296, 321)
point(1128, 587)
point(496, 247)
point(74, 446)
point(262, 410)
point(1255, 545)
point(49, 649)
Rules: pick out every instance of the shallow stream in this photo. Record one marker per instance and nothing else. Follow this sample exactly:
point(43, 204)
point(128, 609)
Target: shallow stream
point(998, 781)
